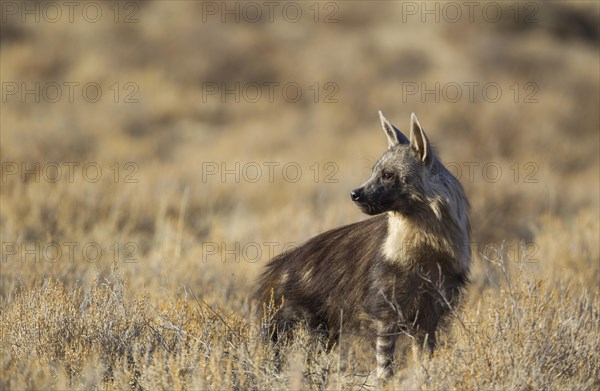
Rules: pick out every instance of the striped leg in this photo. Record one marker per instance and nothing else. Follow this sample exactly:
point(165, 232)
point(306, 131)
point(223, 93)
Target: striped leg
point(384, 350)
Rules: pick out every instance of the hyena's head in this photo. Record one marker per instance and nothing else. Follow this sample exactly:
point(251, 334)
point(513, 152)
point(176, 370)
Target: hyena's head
point(398, 180)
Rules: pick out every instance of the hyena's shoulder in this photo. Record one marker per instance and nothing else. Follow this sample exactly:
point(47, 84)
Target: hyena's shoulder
point(332, 258)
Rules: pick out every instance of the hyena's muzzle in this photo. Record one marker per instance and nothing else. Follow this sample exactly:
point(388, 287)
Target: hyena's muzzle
point(372, 199)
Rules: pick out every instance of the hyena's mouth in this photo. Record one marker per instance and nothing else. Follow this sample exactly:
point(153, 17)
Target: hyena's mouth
point(370, 209)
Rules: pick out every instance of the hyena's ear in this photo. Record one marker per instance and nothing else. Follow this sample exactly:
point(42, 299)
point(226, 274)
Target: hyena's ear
point(394, 136)
point(419, 141)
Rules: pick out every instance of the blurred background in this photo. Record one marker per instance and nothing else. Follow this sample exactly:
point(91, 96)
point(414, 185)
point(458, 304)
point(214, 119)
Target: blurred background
point(156, 154)
point(186, 142)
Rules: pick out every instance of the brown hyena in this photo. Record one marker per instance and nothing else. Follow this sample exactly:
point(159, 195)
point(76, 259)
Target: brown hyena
point(401, 271)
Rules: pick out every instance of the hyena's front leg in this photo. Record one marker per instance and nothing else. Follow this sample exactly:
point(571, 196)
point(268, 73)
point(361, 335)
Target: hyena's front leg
point(385, 345)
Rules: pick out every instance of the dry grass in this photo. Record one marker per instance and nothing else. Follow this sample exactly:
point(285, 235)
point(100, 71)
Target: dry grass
point(159, 309)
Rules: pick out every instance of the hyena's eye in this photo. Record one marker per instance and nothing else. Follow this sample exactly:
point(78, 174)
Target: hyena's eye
point(386, 175)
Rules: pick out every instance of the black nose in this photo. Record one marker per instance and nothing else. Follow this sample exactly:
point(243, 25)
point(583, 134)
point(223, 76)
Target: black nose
point(356, 194)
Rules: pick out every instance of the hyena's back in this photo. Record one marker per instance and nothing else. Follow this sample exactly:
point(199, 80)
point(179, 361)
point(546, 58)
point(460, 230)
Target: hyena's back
point(325, 277)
